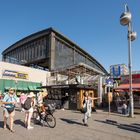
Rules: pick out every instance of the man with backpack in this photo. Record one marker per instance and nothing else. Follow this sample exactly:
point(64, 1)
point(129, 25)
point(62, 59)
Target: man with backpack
point(28, 106)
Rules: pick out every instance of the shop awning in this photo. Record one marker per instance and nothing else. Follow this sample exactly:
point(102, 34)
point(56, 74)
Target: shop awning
point(25, 88)
point(6, 88)
point(124, 87)
point(20, 88)
point(31, 88)
point(36, 89)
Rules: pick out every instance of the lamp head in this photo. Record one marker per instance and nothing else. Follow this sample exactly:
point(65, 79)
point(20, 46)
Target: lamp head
point(125, 18)
point(133, 35)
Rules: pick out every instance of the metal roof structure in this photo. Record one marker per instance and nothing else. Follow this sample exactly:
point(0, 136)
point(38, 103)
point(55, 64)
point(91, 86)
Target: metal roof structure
point(49, 60)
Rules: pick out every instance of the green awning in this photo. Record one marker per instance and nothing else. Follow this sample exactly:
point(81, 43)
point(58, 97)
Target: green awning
point(25, 88)
point(35, 88)
point(20, 88)
point(7, 88)
point(31, 88)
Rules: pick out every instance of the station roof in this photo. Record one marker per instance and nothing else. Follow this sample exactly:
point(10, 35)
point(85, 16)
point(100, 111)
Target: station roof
point(57, 34)
point(81, 69)
point(77, 86)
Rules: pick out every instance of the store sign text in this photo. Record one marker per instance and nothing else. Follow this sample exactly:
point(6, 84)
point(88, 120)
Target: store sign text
point(15, 74)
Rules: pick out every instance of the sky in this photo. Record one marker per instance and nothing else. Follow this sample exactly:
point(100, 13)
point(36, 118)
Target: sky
point(92, 24)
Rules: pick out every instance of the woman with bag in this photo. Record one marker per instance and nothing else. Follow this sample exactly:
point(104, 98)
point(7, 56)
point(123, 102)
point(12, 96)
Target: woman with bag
point(87, 104)
point(9, 102)
point(28, 106)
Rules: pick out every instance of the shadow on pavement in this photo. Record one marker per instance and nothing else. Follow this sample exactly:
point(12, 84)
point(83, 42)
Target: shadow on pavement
point(131, 127)
point(1, 124)
point(70, 121)
point(19, 122)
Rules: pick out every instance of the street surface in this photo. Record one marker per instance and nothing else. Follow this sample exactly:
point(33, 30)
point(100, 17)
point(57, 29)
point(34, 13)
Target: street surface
point(69, 127)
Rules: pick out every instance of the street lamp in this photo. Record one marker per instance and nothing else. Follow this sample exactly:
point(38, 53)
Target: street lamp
point(126, 19)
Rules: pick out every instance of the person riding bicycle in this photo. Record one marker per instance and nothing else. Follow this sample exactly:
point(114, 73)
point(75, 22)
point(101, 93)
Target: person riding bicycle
point(40, 98)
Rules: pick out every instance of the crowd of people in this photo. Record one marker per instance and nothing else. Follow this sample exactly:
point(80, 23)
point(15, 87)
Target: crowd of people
point(28, 101)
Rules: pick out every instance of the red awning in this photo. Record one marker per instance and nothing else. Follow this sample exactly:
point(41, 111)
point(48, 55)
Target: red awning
point(124, 87)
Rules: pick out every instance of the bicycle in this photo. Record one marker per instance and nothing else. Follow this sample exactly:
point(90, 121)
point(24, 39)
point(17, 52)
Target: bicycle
point(44, 119)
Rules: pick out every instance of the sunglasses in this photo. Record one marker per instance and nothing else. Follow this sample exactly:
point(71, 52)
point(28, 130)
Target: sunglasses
point(11, 90)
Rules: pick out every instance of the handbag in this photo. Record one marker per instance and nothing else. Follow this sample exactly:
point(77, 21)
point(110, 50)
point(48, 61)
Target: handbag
point(10, 110)
point(84, 110)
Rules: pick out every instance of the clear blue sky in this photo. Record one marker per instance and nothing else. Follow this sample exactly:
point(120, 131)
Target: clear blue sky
point(92, 24)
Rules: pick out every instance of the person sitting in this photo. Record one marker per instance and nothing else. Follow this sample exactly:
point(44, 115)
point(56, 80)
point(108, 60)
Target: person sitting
point(40, 102)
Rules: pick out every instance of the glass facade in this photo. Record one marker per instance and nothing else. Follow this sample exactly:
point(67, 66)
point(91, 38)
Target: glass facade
point(37, 49)
point(67, 56)
point(63, 55)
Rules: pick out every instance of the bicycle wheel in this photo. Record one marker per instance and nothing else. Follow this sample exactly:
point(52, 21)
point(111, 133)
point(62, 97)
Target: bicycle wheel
point(36, 117)
point(51, 121)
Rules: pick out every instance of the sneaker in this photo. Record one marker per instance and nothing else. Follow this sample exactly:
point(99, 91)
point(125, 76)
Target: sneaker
point(30, 127)
point(86, 125)
point(12, 130)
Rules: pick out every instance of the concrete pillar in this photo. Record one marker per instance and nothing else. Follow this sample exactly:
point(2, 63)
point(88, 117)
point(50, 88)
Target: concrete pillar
point(52, 51)
point(100, 89)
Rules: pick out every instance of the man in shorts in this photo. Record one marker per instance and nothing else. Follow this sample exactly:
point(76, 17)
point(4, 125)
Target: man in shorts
point(9, 102)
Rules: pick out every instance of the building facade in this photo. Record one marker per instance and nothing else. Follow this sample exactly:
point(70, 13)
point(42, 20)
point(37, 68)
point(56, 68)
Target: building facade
point(48, 49)
point(21, 78)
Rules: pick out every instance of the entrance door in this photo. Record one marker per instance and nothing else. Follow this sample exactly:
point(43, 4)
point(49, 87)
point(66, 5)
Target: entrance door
point(73, 100)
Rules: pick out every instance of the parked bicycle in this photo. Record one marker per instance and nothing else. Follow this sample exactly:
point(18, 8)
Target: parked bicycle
point(46, 119)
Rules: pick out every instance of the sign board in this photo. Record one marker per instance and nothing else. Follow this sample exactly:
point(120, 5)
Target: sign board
point(115, 71)
point(15, 74)
point(135, 79)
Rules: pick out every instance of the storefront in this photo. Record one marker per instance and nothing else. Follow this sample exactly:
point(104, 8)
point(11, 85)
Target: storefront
point(21, 78)
point(72, 94)
point(123, 89)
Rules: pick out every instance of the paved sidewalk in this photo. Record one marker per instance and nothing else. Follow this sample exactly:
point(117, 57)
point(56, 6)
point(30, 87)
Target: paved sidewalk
point(69, 127)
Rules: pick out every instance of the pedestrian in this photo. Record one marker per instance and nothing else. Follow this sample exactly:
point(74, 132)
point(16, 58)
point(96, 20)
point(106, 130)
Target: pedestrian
point(28, 106)
point(64, 100)
point(87, 106)
point(22, 99)
point(9, 101)
point(124, 108)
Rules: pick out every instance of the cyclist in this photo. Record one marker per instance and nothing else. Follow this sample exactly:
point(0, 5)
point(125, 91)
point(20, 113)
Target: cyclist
point(40, 101)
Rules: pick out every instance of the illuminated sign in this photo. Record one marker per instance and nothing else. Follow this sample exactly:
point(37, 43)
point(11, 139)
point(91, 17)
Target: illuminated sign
point(15, 74)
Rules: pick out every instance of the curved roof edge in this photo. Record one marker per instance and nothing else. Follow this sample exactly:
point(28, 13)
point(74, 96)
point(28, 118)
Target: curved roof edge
point(45, 32)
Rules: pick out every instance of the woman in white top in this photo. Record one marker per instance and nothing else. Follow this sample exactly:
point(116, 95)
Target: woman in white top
point(87, 104)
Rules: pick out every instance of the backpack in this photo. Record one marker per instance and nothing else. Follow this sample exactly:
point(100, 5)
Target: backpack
point(27, 103)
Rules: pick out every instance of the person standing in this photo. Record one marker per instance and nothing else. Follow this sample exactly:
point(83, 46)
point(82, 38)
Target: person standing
point(87, 105)
point(28, 106)
point(22, 99)
point(9, 101)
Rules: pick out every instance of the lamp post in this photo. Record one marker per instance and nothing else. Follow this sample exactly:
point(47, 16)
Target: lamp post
point(126, 19)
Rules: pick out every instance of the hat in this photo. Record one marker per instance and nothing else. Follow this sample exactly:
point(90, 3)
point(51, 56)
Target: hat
point(31, 94)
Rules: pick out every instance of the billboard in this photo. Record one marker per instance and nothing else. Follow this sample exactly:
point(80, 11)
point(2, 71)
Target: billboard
point(15, 74)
